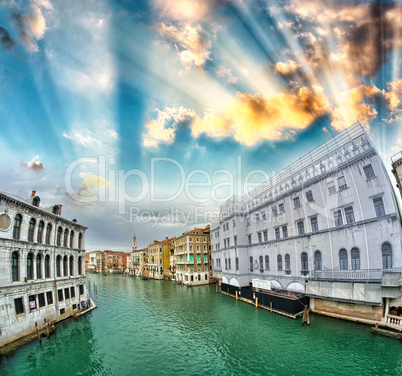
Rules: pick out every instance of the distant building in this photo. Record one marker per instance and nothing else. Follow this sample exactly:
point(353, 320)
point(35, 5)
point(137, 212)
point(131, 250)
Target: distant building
point(397, 170)
point(139, 262)
point(192, 254)
point(107, 261)
point(328, 226)
point(159, 259)
point(41, 265)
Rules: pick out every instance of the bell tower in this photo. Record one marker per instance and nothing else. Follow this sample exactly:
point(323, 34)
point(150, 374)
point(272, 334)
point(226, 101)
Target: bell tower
point(134, 243)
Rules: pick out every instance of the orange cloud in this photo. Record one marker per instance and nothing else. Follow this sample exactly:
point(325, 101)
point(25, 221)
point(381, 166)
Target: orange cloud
point(183, 10)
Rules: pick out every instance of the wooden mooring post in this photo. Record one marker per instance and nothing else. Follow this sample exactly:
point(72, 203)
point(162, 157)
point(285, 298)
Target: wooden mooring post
point(270, 306)
point(37, 332)
point(256, 302)
point(237, 295)
point(306, 316)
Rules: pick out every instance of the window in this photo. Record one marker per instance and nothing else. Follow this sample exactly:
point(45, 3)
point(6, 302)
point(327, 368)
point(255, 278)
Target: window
point(317, 260)
point(314, 224)
point(264, 216)
point(55, 209)
point(266, 262)
point(342, 183)
point(67, 293)
point(71, 265)
point(355, 259)
point(259, 237)
point(261, 264)
point(279, 259)
point(49, 297)
point(59, 232)
point(265, 236)
point(30, 270)
point(234, 223)
point(48, 232)
point(80, 241)
point(386, 251)
point(350, 217)
point(248, 221)
point(60, 295)
point(40, 232)
point(287, 262)
point(338, 218)
point(304, 263)
point(281, 208)
point(65, 238)
point(32, 302)
point(309, 196)
point(235, 240)
point(343, 259)
point(300, 228)
point(229, 263)
point(47, 266)
point(39, 267)
point(251, 263)
point(65, 266)
point(368, 170)
point(41, 300)
point(17, 227)
point(277, 234)
point(296, 202)
point(237, 263)
point(285, 231)
point(31, 230)
point(379, 207)
point(331, 189)
point(274, 210)
point(15, 266)
point(36, 201)
point(249, 239)
point(79, 265)
point(58, 266)
point(19, 306)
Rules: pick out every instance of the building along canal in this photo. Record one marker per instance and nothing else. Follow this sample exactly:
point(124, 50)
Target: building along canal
point(160, 328)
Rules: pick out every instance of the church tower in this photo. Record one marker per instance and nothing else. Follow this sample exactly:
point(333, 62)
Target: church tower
point(134, 243)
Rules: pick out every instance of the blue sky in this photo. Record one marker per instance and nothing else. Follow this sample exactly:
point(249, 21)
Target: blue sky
point(95, 94)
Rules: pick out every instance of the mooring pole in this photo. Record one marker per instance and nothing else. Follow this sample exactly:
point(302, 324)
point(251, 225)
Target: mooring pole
point(256, 302)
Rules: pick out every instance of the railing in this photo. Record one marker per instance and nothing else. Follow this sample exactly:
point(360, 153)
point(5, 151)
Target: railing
point(363, 275)
point(394, 320)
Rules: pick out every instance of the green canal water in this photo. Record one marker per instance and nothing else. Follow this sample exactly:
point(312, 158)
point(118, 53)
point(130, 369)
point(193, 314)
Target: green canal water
point(160, 328)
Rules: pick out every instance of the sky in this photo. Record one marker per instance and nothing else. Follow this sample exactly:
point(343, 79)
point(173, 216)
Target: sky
point(144, 116)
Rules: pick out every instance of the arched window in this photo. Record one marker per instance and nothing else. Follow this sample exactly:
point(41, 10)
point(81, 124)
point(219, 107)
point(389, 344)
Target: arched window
point(36, 201)
point(15, 266)
point(38, 266)
point(355, 259)
point(251, 263)
point(47, 266)
point(17, 227)
point(279, 258)
point(80, 241)
point(266, 262)
point(229, 263)
point(31, 230)
point(59, 232)
point(343, 259)
point(79, 266)
point(71, 265)
point(237, 263)
point(317, 260)
point(30, 268)
point(261, 264)
point(304, 263)
point(65, 266)
point(386, 251)
point(40, 232)
point(58, 266)
point(287, 262)
point(55, 209)
point(65, 238)
point(72, 239)
point(48, 233)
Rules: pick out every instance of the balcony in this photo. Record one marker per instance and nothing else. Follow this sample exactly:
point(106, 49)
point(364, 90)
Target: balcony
point(373, 275)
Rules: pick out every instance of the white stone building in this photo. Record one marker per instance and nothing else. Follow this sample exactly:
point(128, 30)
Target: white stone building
point(41, 266)
point(328, 225)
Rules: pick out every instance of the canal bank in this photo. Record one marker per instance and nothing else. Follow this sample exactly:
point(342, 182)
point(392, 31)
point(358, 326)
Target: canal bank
point(161, 328)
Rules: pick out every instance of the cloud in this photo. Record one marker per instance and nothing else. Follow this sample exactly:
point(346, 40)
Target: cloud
point(32, 25)
point(227, 75)
point(397, 147)
point(164, 128)
point(191, 45)
point(393, 99)
point(33, 165)
point(91, 184)
point(6, 41)
point(250, 119)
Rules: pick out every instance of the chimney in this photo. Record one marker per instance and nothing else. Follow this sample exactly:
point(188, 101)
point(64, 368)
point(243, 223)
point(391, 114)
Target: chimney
point(33, 194)
point(60, 206)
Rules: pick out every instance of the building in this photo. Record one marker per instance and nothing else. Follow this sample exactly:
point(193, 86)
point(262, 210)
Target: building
point(328, 226)
point(159, 259)
point(397, 170)
point(139, 262)
point(192, 253)
point(41, 266)
point(107, 261)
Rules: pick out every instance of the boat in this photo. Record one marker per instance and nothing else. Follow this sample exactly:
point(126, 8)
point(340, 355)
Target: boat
point(104, 273)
